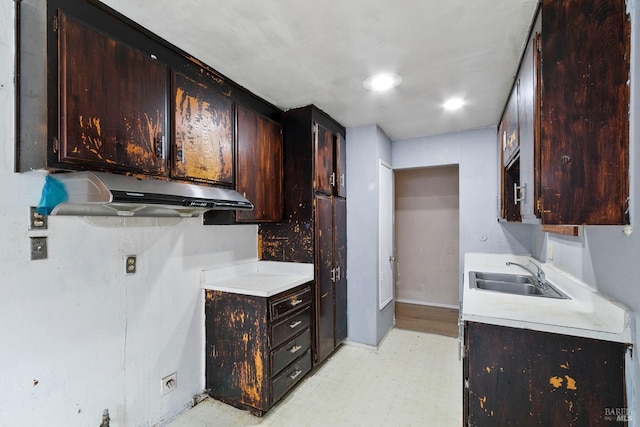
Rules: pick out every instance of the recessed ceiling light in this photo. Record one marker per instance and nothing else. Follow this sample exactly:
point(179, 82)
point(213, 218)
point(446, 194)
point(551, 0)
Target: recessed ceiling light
point(382, 82)
point(453, 104)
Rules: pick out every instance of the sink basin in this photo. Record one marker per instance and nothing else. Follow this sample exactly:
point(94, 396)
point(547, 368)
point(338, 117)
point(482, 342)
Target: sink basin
point(512, 284)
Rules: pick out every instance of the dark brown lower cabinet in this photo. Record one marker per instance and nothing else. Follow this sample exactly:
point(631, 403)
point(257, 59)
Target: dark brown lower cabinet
point(331, 274)
point(520, 377)
point(257, 348)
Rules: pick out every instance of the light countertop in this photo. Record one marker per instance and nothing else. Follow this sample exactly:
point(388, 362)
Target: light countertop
point(587, 314)
point(257, 278)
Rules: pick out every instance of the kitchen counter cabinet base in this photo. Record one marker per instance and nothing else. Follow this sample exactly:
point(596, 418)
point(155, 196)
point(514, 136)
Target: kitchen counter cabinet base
point(522, 377)
point(255, 354)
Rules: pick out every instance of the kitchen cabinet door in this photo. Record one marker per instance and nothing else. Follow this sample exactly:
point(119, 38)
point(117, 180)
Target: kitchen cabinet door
point(203, 132)
point(341, 166)
point(113, 102)
point(340, 262)
point(523, 377)
point(324, 175)
point(511, 128)
point(528, 114)
point(585, 112)
point(325, 277)
point(259, 165)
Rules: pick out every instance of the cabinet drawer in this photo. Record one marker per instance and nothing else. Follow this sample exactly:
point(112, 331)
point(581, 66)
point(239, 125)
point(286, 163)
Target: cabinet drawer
point(286, 305)
point(290, 377)
point(290, 351)
point(290, 326)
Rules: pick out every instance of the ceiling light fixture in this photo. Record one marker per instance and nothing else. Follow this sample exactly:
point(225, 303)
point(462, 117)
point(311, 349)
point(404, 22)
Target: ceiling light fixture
point(453, 104)
point(382, 82)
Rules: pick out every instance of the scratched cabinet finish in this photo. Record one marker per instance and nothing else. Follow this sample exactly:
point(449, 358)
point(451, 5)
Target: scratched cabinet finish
point(112, 102)
point(575, 116)
point(259, 165)
point(257, 348)
point(203, 133)
point(330, 161)
point(585, 112)
point(520, 377)
point(331, 274)
point(314, 225)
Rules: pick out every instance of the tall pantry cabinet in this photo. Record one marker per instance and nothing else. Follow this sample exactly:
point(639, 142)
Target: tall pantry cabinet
point(314, 225)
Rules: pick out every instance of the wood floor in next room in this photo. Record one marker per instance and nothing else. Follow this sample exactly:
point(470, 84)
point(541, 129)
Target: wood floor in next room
point(426, 318)
point(412, 379)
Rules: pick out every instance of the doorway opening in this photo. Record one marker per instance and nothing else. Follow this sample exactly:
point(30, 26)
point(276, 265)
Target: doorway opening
point(427, 249)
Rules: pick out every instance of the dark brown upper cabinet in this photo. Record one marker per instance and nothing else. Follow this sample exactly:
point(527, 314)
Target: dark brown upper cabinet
point(96, 91)
point(203, 132)
point(259, 165)
point(509, 137)
point(341, 166)
point(573, 118)
point(330, 161)
point(584, 140)
point(112, 102)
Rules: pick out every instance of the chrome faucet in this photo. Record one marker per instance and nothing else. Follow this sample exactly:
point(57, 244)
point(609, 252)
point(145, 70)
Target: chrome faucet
point(538, 275)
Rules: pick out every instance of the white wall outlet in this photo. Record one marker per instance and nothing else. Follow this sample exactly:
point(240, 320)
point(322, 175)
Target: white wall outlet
point(168, 383)
point(130, 264)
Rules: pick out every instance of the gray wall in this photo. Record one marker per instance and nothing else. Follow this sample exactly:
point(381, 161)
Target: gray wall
point(365, 147)
point(475, 154)
point(77, 334)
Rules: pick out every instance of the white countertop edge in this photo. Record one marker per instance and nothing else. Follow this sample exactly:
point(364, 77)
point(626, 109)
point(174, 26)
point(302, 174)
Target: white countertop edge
point(258, 292)
point(624, 337)
point(257, 278)
point(588, 313)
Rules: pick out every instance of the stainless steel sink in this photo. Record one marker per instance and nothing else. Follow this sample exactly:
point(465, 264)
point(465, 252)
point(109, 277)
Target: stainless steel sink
point(512, 284)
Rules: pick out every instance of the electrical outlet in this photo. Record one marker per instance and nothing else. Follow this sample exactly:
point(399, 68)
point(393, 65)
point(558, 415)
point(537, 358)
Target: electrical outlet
point(168, 383)
point(130, 264)
point(38, 248)
point(37, 221)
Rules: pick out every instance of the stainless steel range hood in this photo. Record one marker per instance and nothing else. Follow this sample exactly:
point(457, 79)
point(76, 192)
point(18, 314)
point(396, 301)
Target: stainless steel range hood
point(105, 194)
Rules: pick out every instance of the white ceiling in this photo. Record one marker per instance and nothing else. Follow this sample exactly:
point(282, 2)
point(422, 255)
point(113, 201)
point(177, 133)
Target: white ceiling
point(296, 52)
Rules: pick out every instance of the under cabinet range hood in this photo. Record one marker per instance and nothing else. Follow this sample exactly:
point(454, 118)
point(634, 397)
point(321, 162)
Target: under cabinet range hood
point(106, 194)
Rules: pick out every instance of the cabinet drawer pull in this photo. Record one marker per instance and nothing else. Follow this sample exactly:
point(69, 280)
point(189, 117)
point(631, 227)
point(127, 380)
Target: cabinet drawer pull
point(296, 302)
point(295, 374)
point(295, 324)
point(294, 349)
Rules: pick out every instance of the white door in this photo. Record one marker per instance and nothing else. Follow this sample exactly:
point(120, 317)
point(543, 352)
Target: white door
point(385, 234)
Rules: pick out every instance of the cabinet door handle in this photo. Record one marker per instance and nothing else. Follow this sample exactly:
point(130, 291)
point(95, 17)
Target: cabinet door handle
point(160, 146)
point(338, 274)
point(181, 154)
point(333, 274)
point(521, 189)
point(295, 374)
point(342, 180)
point(295, 349)
point(295, 324)
point(296, 302)
point(332, 179)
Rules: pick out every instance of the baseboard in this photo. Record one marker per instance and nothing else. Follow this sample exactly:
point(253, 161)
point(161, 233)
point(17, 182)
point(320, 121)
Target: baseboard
point(429, 304)
point(347, 341)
